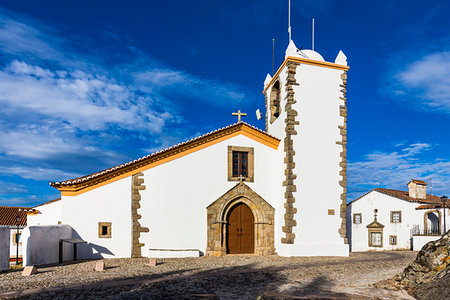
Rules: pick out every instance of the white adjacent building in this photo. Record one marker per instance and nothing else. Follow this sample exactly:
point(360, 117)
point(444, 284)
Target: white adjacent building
point(385, 219)
point(234, 190)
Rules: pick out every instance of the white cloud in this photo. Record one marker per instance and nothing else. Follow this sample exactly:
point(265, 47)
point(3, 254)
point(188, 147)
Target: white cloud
point(394, 170)
point(63, 102)
point(38, 173)
point(427, 80)
point(12, 188)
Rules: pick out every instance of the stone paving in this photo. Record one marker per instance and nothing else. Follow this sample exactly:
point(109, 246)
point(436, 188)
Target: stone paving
point(229, 277)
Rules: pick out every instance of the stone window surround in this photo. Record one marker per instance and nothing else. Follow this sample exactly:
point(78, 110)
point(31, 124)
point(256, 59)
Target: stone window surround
point(425, 219)
point(375, 230)
point(100, 227)
point(272, 96)
point(391, 239)
point(392, 216)
point(251, 157)
point(360, 218)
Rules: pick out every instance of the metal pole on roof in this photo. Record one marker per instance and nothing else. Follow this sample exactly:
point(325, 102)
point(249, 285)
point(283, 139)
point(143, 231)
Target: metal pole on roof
point(289, 21)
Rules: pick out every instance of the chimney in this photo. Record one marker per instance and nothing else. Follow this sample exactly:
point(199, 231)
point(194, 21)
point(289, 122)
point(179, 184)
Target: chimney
point(417, 189)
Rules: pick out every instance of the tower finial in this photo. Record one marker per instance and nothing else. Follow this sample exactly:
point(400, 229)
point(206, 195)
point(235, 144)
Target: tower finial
point(289, 21)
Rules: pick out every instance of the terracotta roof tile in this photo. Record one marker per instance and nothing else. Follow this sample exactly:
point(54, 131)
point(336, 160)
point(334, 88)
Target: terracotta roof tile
point(419, 181)
point(8, 215)
point(430, 206)
point(82, 179)
point(404, 196)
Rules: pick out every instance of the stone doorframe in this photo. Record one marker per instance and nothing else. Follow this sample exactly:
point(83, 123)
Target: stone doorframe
point(425, 220)
point(217, 214)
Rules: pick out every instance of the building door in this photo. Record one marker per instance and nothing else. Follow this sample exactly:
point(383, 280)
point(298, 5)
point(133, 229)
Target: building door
point(240, 233)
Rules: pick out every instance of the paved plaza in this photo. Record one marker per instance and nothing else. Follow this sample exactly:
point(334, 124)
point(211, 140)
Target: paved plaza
point(229, 277)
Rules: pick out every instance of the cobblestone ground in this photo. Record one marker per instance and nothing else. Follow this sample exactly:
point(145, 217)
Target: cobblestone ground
point(230, 277)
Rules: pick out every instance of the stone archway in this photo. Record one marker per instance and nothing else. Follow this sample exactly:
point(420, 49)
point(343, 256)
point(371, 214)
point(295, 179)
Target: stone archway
point(218, 211)
point(430, 229)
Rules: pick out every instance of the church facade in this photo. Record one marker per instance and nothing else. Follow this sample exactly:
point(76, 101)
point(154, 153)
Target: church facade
point(234, 190)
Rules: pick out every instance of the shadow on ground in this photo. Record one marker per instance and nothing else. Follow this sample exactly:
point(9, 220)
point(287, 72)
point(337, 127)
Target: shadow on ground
point(235, 282)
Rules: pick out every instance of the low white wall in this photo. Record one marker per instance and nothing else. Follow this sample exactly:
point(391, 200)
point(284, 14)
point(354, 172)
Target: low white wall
point(41, 244)
point(420, 240)
point(4, 248)
point(168, 253)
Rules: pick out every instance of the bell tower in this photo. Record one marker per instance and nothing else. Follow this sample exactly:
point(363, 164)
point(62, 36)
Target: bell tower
point(306, 107)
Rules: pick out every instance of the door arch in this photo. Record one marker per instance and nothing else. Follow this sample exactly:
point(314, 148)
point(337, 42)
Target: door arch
point(241, 230)
point(217, 220)
point(432, 222)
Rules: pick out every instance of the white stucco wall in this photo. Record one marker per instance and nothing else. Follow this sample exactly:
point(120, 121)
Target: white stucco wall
point(41, 244)
point(317, 158)
point(420, 241)
point(385, 204)
point(173, 206)
point(108, 203)
point(4, 247)
point(49, 214)
point(12, 245)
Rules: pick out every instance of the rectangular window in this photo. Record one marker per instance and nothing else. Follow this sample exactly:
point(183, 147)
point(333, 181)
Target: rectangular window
point(104, 229)
point(240, 163)
point(357, 218)
point(396, 216)
point(392, 240)
point(376, 239)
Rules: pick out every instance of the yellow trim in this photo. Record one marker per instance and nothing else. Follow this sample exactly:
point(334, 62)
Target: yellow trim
point(35, 212)
point(244, 130)
point(306, 62)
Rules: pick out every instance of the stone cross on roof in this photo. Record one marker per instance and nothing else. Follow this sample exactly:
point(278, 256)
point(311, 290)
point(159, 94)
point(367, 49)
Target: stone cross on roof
point(239, 114)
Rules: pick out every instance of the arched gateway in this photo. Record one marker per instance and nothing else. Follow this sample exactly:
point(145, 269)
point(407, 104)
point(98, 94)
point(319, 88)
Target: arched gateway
point(240, 221)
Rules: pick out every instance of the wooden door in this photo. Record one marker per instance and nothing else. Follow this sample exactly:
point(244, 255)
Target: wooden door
point(240, 233)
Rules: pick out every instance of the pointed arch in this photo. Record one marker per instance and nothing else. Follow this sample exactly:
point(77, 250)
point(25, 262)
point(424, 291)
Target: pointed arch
point(218, 211)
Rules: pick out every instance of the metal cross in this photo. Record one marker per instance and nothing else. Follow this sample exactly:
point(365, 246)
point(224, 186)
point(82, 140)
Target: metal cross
point(241, 178)
point(239, 114)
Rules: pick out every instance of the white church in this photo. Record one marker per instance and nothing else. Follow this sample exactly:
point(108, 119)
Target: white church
point(234, 190)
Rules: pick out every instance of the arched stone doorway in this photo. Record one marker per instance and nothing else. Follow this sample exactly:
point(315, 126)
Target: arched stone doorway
point(218, 221)
point(432, 222)
point(240, 230)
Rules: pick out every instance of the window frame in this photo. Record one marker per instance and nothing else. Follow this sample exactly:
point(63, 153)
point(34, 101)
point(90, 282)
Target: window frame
point(399, 216)
point(250, 163)
point(108, 225)
point(360, 218)
point(381, 238)
point(390, 240)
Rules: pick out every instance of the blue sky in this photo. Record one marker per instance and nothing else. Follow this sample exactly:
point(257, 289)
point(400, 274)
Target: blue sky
point(86, 85)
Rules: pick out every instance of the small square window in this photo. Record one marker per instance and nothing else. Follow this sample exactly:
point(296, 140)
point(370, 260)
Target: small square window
point(392, 240)
point(396, 216)
point(357, 218)
point(104, 229)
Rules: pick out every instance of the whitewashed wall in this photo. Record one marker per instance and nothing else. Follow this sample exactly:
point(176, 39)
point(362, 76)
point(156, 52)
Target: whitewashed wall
point(49, 214)
point(420, 241)
point(108, 203)
point(173, 206)
point(41, 244)
point(4, 248)
point(385, 204)
point(317, 158)
point(12, 246)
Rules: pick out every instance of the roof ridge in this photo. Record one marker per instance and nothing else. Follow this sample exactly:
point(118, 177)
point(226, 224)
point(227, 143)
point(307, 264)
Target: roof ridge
point(109, 170)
